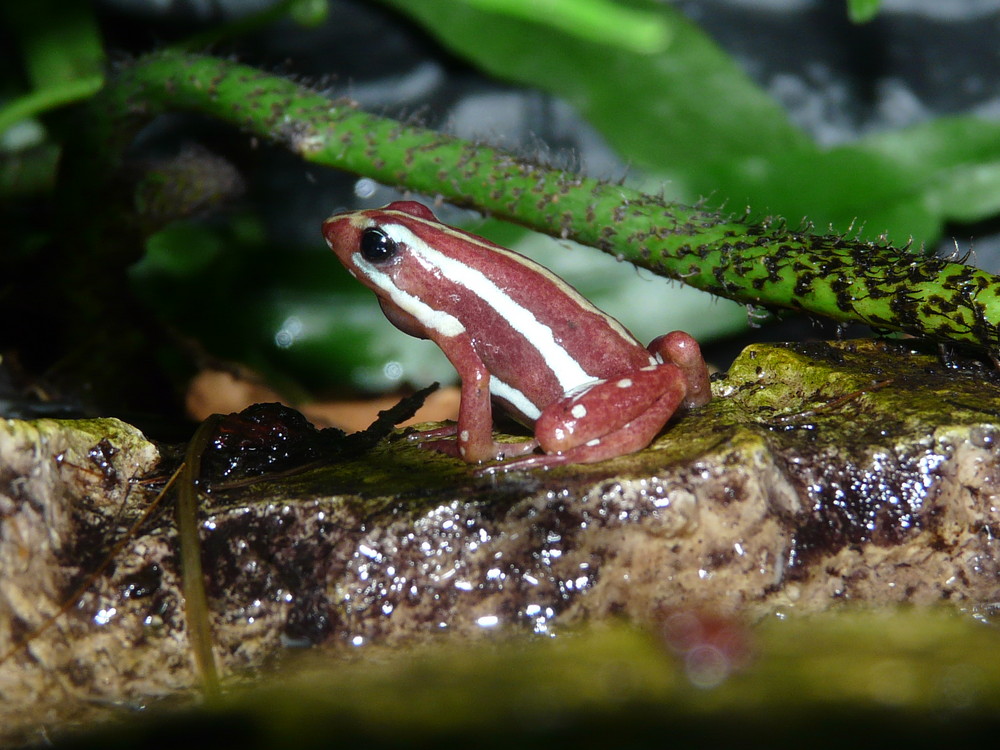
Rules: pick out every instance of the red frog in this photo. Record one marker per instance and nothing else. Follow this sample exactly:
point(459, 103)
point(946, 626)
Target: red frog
point(519, 336)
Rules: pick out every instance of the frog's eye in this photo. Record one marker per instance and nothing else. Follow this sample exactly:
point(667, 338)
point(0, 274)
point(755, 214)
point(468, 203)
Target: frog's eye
point(377, 246)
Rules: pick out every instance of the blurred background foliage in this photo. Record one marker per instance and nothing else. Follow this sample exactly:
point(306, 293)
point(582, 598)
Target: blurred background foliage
point(209, 250)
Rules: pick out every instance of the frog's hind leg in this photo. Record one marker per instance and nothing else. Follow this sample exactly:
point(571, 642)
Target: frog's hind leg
point(630, 437)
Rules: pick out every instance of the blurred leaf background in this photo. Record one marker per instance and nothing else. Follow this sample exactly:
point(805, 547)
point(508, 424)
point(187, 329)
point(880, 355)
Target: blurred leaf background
point(630, 90)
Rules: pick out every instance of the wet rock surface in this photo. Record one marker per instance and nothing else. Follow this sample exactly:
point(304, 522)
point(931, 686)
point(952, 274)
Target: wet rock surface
point(821, 473)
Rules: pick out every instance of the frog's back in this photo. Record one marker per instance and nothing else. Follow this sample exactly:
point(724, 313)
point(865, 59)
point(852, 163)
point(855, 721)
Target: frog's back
point(537, 336)
point(533, 331)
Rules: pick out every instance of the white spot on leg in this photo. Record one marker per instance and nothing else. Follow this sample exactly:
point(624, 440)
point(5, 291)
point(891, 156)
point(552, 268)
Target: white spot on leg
point(592, 443)
point(624, 383)
point(579, 411)
point(464, 436)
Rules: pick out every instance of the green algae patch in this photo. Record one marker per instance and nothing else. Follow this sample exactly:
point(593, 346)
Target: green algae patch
point(78, 435)
point(882, 385)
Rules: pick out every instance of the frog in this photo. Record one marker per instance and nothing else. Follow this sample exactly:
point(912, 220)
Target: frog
point(521, 338)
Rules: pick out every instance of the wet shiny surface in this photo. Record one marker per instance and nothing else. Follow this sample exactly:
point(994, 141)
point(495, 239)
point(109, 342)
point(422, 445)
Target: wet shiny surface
point(787, 493)
point(809, 481)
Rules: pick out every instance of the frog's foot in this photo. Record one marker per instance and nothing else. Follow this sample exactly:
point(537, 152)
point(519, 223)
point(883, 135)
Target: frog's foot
point(444, 439)
point(599, 449)
point(445, 431)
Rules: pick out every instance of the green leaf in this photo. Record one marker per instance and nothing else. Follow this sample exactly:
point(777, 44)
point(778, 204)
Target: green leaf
point(600, 21)
point(952, 165)
point(62, 52)
point(60, 41)
point(689, 108)
point(862, 11)
point(701, 128)
point(42, 100)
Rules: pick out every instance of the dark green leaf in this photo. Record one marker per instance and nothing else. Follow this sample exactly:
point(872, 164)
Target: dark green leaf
point(862, 11)
point(62, 54)
point(693, 120)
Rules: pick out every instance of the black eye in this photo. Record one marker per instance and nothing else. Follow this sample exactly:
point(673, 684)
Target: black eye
point(377, 246)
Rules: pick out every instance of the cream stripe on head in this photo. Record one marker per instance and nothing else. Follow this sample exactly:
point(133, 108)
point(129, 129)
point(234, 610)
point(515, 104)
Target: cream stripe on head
point(435, 320)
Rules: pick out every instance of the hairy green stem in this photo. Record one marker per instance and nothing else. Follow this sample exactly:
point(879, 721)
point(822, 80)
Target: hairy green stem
point(755, 263)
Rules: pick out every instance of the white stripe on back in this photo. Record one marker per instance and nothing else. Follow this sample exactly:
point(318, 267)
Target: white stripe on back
point(560, 283)
point(564, 367)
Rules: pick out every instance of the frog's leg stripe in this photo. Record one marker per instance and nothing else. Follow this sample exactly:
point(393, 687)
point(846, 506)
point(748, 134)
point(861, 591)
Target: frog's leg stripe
point(562, 364)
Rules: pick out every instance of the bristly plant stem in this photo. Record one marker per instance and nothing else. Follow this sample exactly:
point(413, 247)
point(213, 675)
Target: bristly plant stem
point(765, 264)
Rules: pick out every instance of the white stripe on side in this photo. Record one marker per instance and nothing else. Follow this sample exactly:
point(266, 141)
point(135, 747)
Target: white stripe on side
point(565, 368)
point(514, 397)
point(442, 322)
point(559, 282)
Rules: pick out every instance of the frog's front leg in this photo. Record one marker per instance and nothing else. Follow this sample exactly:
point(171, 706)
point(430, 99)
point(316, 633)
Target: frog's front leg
point(473, 435)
